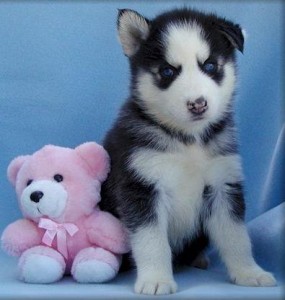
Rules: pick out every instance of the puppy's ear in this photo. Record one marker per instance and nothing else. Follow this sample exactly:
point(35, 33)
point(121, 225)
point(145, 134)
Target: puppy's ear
point(133, 29)
point(233, 33)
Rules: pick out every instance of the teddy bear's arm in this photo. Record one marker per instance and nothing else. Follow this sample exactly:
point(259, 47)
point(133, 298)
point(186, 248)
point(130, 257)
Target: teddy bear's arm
point(108, 232)
point(20, 236)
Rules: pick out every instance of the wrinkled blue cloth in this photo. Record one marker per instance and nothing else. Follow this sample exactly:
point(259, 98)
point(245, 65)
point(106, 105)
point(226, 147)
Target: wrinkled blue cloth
point(63, 78)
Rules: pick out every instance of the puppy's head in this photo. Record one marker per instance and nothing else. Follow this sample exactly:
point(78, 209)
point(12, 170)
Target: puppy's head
point(183, 65)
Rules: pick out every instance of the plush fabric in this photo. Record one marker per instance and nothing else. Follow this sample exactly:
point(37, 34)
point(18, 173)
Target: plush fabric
point(58, 191)
point(62, 79)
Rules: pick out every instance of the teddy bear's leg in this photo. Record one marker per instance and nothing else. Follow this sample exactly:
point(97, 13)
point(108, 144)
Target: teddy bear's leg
point(41, 264)
point(94, 265)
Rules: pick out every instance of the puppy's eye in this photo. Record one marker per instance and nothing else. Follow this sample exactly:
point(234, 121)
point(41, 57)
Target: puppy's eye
point(58, 178)
point(29, 182)
point(210, 67)
point(167, 72)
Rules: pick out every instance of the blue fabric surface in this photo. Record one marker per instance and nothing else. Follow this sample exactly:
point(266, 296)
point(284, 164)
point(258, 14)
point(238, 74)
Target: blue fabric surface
point(63, 78)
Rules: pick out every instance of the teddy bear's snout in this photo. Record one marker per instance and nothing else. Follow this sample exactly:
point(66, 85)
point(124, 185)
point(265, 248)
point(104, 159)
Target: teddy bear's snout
point(36, 196)
point(44, 198)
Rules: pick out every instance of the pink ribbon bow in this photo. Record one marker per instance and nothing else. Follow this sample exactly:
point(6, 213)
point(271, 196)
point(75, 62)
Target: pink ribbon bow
point(59, 230)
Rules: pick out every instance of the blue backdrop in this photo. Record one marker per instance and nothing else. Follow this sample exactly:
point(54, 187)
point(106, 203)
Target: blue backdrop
point(63, 78)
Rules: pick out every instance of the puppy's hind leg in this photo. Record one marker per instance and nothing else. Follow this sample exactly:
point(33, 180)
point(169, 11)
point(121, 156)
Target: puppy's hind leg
point(202, 261)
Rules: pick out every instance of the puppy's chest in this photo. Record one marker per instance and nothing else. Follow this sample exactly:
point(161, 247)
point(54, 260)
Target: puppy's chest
point(178, 175)
point(180, 178)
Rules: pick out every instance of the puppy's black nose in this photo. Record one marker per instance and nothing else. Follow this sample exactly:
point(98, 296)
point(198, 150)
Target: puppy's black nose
point(197, 107)
point(36, 196)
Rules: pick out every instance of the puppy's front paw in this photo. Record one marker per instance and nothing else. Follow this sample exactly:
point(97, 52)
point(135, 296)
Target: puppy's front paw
point(155, 287)
point(254, 277)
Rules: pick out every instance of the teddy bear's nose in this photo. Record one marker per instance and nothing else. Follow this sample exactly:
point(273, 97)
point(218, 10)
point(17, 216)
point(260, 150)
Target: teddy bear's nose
point(36, 196)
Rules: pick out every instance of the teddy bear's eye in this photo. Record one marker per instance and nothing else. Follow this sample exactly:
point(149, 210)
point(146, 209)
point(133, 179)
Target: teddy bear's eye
point(58, 178)
point(29, 182)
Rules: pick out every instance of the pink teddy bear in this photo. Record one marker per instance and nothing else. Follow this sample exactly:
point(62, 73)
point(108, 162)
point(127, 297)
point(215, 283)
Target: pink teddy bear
point(63, 230)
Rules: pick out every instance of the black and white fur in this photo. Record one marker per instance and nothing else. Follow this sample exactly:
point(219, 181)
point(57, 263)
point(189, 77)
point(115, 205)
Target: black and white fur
point(176, 179)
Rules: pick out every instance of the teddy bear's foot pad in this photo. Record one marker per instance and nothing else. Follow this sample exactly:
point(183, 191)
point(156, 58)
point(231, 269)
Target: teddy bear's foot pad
point(40, 269)
point(93, 271)
point(41, 265)
point(95, 265)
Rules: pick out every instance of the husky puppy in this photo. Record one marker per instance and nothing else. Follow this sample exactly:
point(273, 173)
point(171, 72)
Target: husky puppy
point(176, 179)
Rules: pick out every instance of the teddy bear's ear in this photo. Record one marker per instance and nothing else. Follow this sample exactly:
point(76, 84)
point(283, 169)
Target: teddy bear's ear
point(14, 167)
point(97, 159)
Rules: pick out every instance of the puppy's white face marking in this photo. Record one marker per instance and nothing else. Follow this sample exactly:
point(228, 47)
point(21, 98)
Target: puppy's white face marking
point(185, 44)
point(186, 47)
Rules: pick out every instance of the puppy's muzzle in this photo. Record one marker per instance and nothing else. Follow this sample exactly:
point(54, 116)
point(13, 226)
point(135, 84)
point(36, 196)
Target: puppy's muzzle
point(197, 107)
